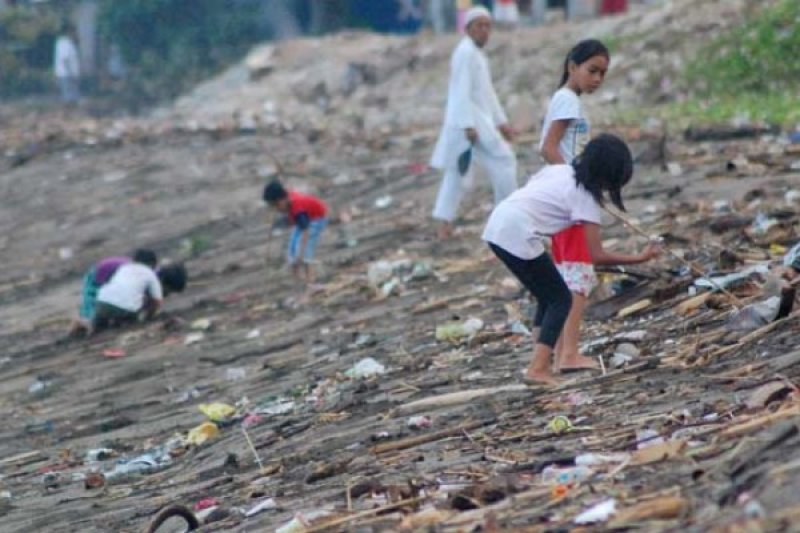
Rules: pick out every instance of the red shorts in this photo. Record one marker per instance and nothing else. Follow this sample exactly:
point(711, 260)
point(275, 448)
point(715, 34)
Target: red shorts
point(573, 259)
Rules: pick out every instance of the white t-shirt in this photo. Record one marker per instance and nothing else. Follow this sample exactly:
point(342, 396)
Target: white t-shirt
point(566, 105)
point(128, 286)
point(550, 202)
point(65, 60)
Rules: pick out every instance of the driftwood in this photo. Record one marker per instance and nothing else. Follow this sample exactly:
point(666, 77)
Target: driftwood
point(456, 398)
point(411, 442)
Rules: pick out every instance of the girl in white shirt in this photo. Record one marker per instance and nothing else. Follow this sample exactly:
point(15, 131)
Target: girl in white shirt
point(556, 198)
point(564, 134)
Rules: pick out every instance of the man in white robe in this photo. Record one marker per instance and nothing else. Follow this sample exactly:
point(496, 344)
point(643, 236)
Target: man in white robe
point(474, 118)
point(67, 67)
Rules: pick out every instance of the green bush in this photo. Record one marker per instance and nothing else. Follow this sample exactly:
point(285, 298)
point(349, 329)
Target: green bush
point(169, 45)
point(762, 56)
point(27, 37)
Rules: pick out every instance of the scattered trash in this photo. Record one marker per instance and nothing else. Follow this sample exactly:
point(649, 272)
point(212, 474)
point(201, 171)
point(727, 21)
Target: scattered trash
point(264, 505)
point(301, 521)
point(457, 332)
point(217, 411)
point(519, 328)
point(277, 405)
point(201, 324)
point(99, 454)
point(188, 395)
point(754, 315)
point(253, 334)
point(40, 387)
point(597, 459)
point(94, 480)
point(235, 374)
point(601, 512)
point(251, 420)
point(205, 503)
point(419, 422)
point(383, 202)
point(560, 424)
point(202, 433)
point(114, 353)
point(143, 464)
point(624, 353)
point(552, 475)
point(647, 437)
point(366, 368)
point(193, 338)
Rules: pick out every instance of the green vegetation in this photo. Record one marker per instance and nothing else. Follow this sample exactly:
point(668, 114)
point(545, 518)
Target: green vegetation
point(170, 45)
point(762, 56)
point(752, 71)
point(27, 37)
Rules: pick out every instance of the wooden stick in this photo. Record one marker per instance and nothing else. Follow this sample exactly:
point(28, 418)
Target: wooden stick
point(456, 398)
point(757, 423)
point(362, 514)
point(253, 449)
point(697, 270)
point(411, 442)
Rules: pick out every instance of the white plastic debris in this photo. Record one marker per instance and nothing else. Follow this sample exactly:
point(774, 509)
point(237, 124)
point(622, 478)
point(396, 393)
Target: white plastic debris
point(383, 202)
point(596, 459)
point(366, 368)
point(648, 437)
point(263, 505)
point(600, 512)
point(193, 338)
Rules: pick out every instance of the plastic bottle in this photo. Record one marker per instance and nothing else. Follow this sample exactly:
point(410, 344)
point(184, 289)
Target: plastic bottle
point(553, 475)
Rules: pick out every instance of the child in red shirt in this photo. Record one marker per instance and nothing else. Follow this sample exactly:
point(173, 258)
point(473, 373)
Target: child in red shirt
point(308, 215)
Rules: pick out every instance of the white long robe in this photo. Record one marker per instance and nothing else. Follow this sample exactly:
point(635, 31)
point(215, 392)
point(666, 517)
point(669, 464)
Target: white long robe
point(471, 103)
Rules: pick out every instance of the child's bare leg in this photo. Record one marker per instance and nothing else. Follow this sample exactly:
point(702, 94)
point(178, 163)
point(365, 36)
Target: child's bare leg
point(539, 369)
point(570, 358)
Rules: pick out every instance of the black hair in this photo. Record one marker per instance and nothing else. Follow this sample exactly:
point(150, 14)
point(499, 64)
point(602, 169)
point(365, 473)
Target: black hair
point(145, 256)
point(274, 191)
point(604, 165)
point(173, 278)
point(581, 53)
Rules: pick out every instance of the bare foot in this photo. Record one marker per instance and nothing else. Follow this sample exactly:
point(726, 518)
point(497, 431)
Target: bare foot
point(576, 361)
point(445, 231)
point(541, 376)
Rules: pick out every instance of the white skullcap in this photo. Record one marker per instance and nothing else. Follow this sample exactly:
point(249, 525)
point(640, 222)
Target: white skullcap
point(476, 12)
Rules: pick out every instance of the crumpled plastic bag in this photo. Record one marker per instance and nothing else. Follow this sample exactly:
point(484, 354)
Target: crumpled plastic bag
point(456, 332)
point(217, 411)
point(202, 433)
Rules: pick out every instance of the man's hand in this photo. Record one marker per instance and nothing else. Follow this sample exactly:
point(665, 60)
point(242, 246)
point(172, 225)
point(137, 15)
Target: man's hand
point(507, 132)
point(472, 135)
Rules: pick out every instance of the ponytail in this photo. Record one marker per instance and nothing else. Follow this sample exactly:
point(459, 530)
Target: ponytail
point(581, 53)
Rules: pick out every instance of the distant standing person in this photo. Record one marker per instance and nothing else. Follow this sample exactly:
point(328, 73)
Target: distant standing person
point(66, 64)
point(474, 118)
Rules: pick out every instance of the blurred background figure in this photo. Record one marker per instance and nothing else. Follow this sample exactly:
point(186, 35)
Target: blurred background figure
point(66, 65)
point(506, 13)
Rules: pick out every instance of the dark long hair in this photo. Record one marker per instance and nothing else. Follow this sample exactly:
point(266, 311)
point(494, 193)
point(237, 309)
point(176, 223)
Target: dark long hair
point(581, 53)
point(605, 165)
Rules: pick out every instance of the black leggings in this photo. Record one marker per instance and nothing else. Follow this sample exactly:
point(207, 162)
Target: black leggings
point(553, 298)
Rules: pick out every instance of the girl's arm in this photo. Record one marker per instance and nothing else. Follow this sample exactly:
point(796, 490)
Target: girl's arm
point(603, 257)
point(550, 150)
